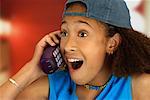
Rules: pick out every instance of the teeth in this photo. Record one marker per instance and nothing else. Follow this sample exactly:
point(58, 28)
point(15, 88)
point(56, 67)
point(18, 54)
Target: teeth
point(73, 60)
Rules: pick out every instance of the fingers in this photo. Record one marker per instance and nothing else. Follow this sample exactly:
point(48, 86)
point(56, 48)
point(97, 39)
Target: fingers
point(51, 39)
point(54, 38)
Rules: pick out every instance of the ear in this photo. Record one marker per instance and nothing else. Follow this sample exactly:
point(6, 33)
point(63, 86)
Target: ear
point(113, 43)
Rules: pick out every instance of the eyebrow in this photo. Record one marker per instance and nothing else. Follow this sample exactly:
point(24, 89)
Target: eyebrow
point(79, 21)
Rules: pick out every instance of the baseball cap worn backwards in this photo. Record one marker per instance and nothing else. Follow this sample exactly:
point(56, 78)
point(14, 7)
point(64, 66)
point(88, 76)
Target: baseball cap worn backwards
point(113, 12)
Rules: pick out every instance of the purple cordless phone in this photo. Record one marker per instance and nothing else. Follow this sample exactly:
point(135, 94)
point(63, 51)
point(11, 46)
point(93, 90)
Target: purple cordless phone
point(51, 60)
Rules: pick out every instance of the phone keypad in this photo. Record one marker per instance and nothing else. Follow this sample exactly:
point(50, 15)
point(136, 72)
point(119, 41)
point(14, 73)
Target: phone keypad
point(57, 57)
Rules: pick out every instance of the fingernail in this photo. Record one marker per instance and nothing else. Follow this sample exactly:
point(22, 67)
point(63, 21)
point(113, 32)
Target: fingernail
point(53, 44)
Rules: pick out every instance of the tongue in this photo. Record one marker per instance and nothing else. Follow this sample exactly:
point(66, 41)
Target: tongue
point(77, 64)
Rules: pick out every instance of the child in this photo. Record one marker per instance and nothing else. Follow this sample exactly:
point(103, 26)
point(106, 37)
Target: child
point(106, 58)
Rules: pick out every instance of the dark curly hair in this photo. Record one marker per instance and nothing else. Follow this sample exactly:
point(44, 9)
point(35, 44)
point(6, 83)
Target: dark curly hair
point(132, 55)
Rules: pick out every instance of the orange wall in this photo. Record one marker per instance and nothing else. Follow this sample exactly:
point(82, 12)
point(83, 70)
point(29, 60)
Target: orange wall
point(31, 20)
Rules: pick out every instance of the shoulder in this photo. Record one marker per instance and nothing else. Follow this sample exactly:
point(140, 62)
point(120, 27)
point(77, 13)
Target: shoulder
point(38, 90)
point(141, 86)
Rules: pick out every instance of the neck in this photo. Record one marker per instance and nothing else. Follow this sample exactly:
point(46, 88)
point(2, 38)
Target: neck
point(101, 78)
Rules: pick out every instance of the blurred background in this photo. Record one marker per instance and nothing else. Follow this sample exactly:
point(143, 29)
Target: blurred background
point(24, 22)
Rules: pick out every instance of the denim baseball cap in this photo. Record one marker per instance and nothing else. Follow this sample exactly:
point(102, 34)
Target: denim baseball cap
point(113, 12)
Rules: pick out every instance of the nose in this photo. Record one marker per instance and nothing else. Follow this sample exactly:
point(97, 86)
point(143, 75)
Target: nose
point(70, 45)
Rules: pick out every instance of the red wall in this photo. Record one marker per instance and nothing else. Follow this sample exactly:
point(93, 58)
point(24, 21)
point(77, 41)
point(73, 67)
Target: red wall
point(31, 20)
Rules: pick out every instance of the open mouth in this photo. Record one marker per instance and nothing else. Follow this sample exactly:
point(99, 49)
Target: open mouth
point(75, 63)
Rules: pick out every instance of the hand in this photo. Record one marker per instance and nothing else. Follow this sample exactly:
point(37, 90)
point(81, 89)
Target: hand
point(50, 39)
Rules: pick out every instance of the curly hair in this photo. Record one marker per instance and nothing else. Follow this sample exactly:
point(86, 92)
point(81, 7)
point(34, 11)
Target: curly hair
point(132, 55)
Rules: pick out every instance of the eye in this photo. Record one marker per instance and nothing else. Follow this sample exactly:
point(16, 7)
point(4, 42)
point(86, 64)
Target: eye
point(82, 34)
point(64, 34)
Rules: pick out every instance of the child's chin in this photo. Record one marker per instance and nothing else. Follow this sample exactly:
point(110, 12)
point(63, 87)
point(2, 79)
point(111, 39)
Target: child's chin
point(82, 82)
point(79, 80)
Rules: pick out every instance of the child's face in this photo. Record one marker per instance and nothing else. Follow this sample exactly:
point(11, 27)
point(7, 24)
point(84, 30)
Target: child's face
point(85, 40)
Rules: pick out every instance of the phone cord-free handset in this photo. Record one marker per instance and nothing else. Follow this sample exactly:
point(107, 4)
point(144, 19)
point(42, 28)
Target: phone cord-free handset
point(52, 60)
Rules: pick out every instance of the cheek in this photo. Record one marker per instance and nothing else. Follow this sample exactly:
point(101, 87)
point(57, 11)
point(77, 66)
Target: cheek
point(62, 45)
point(96, 57)
point(95, 52)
